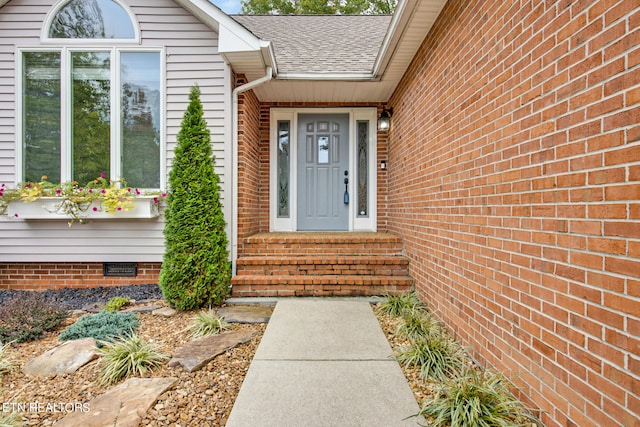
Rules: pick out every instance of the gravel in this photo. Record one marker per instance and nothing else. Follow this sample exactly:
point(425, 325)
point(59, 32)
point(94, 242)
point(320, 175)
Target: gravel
point(79, 298)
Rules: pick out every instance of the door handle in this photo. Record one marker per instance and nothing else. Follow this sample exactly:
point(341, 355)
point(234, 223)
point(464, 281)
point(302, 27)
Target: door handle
point(345, 198)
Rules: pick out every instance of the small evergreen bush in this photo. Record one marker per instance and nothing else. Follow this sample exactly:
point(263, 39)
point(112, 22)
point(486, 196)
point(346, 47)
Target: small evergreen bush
point(476, 399)
point(27, 316)
point(195, 269)
point(206, 323)
point(103, 326)
point(116, 303)
point(436, 355)
point(128, 356)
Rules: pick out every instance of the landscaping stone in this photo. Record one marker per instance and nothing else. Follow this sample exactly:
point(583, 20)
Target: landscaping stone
point(246, 314)
point(201, 351)
point(62, 359)
point(124, 405)
point(142, 309)
point(164, 312)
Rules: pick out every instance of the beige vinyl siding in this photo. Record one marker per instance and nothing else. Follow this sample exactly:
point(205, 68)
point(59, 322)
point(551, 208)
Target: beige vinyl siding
point(191, 56)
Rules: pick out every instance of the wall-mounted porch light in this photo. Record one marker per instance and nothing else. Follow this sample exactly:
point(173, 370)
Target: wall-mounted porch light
point(384, 121)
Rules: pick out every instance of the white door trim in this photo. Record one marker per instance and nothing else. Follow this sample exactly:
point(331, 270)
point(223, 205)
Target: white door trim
point(356, 222)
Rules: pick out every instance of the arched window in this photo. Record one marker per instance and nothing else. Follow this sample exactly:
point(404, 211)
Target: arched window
point(91, 102)
point(91, 19)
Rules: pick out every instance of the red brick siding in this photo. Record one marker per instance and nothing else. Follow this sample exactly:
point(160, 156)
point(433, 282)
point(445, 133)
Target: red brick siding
point(514, 179)
point(56, 275)
point(250, 186)
point(253, 173)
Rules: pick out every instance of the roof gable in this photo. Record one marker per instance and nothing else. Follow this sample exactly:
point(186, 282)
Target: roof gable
point(320, 43)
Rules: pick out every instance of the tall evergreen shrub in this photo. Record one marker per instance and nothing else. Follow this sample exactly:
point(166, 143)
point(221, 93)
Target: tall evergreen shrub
point(195, 269)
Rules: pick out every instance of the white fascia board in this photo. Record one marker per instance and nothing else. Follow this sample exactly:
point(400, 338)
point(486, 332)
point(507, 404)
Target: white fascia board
point(399, 25)
point(326, 76)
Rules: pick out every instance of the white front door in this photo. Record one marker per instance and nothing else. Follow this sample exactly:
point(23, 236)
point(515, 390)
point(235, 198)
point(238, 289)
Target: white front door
point(323, 172)
point(310, 152)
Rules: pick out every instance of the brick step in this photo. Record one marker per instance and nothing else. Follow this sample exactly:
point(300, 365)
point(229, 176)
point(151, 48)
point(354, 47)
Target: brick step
point(321, 243)
point(328, 285)
point(380, 265)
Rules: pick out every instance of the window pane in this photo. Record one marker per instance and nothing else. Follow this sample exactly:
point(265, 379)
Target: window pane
point(92, 19)
point(283, 169)
point(41, 116)
point(363, 168)
point(140, 141)
point(91, 114)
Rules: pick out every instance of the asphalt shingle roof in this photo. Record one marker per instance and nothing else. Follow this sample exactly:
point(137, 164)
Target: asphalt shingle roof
point(320, 43)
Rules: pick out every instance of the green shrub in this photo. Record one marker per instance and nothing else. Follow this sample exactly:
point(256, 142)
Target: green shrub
point(206, 323)
point(103, 326)
point(128, 356)
point(116, 303)
point(476, 399)
point(6, 361)
point(195, 269)
point(418, 324)
point(436, 355)
point(401, 304)
point(27, 317)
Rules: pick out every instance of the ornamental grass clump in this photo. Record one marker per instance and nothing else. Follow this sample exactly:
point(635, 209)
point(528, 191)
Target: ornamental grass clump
point(103, 326)
point(476, 399)
point(401, 304)
point(206, 323)
point(128, 356)
point(27, 316)
point(418, 324)
point(436, 355)
point(6, 361)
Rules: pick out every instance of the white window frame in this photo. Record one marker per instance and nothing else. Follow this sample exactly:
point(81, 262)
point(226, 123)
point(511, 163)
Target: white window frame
point(44, 36)
point(66, 130)
point(356, 223)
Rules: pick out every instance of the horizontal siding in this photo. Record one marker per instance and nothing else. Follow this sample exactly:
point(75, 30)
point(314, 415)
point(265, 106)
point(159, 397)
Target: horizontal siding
point(191, 57)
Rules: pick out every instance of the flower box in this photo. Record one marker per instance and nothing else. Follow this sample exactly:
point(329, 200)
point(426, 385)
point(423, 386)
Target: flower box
point(49, 208)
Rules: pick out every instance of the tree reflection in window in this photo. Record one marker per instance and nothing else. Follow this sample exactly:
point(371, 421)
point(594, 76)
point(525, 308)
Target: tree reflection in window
point(92, 19)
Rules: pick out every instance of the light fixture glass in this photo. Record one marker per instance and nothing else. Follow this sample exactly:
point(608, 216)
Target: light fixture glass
point(384, 121)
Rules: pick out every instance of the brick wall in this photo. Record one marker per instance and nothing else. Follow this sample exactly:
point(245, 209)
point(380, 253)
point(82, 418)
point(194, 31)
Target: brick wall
point(514, 179)
point(56, 275)
point(250, 187)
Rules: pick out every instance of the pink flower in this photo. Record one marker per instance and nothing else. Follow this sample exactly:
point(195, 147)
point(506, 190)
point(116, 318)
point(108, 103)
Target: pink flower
point(95, 209)
point(16, 215)
point(137, 191)
point(102, 175)
point(90, 191)
point(164, 194)
point(58, 191)
point(155, 200)
point(104, 191)
point(119, 208)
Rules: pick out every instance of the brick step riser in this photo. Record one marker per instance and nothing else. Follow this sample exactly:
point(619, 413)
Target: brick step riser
point(251, 249)
point(316, 288)
point(314, 271)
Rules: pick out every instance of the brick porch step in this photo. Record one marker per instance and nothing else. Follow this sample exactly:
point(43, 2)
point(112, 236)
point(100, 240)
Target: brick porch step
point(379, 265)
point(343, 285)
point(321, 264)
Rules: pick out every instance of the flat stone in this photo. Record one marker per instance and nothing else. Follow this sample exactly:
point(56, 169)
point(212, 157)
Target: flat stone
point(246, 313)
point(141, 309)
point(63, 359)
point(164, 312)
point(124, 405)
point(201, 351)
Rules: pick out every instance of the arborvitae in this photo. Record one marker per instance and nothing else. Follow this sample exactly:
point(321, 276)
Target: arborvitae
point(196, 269)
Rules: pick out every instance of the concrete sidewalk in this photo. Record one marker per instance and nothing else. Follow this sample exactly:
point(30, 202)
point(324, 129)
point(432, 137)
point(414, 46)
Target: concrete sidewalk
point(324, 362)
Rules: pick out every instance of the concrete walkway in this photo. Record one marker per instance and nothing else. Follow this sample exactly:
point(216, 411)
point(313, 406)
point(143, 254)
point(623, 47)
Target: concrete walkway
point(324, 362)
